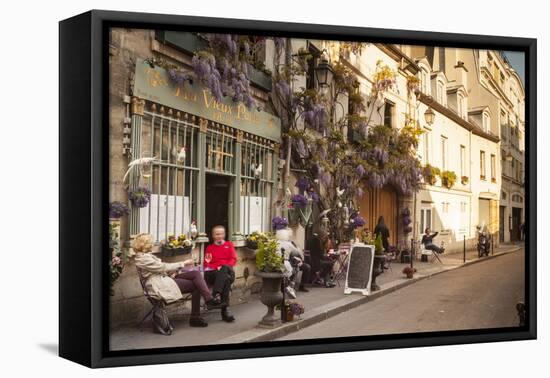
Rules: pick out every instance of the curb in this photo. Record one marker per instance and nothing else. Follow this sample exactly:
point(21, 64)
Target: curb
point(337, 307)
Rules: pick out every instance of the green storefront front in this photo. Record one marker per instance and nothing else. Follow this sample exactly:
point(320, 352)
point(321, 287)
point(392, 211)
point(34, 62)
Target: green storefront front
point(215, 162)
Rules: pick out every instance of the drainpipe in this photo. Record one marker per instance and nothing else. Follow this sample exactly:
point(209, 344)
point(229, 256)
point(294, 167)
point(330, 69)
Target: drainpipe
point(471, 181)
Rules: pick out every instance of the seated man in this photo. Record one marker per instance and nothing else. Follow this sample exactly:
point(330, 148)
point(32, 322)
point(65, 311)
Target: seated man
point(295, 257)
point(219, 268)
point(163, 287)
point(427, 240)
point(320, 263)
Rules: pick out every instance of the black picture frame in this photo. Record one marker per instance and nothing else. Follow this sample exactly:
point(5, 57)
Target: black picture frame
point(83, 197)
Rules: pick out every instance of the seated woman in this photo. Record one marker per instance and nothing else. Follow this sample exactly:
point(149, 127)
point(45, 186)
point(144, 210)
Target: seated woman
point(162, 286)
point(321, 265)
point(427, 240)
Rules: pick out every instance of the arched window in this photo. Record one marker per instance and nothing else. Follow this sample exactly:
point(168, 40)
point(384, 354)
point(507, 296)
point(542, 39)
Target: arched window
point(441, 95)
point(425, 80)
point(486, 122)
point(462, 106)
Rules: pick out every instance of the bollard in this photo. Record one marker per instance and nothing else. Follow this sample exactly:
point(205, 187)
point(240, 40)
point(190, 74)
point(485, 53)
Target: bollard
point(464, 249)
point(412, 250)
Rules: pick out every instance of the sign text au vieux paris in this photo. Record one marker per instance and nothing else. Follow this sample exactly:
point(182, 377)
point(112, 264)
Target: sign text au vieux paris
point(153, 84)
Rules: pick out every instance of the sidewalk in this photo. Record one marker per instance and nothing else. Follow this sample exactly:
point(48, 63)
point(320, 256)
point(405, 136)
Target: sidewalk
point(320, 304)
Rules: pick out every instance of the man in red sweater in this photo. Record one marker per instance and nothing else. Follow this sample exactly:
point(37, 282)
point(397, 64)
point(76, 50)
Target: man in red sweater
point(220, 258)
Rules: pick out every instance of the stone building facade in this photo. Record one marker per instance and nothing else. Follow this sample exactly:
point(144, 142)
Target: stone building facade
point(219, 179)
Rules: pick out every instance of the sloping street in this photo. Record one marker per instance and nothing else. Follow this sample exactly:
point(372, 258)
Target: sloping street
point(482, 295)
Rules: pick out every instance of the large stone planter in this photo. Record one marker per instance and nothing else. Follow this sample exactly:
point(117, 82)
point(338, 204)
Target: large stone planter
point(271, 296)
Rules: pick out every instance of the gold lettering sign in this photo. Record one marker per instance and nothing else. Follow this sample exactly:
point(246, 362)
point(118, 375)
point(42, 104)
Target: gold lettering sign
point(154, 85)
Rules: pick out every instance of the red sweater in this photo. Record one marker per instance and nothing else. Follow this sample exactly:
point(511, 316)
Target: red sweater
point(223, 254)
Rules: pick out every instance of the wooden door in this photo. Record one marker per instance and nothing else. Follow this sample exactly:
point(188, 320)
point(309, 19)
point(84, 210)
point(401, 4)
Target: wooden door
point(380, 202)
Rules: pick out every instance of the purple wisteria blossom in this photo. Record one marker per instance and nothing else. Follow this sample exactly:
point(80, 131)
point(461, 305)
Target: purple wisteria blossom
point(279, 223)
point(299, 201)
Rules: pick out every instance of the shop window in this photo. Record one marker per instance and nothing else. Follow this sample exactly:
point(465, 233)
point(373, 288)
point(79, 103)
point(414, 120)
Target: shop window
point(256, 187)
point(171, 179)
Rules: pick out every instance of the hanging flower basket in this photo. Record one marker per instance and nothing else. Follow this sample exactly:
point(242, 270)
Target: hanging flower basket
point(139, 197)
point(279, 223)
point(293, 217)
point(117, 210)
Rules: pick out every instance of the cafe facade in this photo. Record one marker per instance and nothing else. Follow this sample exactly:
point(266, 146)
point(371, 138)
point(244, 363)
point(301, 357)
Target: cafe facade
point(212, 162)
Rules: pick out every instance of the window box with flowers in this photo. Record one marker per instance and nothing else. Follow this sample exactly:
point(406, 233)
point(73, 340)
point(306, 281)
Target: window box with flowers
point(430, 174)
point(175, 246)
point(448, 179)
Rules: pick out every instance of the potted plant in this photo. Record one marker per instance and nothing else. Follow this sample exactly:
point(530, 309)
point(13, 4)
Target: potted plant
point(464, 180)
point(279, 223)
point(254, 238)
point(139, 197)
point(269, 262)
point(175, 246)
point(117, 210)
point(409, 272)
point(116, 264)
point(430, 174)
point(291, 310)
point(448, 179)
point(406, 220)
point(299, 209)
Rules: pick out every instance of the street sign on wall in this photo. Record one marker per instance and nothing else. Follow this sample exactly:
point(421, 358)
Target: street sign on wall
point(360, 264)
point(153, 84)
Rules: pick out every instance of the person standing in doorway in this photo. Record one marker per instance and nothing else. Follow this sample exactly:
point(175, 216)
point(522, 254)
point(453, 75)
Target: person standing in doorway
point(523, 231)
point(382, 229)
point(219, 259)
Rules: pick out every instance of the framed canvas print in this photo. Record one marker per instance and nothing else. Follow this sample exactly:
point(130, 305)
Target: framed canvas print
point(234, 188)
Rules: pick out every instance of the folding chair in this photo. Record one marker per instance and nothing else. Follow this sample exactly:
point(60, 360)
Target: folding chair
point(428, 252)
point(155, 303)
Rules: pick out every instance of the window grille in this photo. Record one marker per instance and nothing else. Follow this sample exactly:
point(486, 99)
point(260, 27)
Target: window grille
point(172, 178)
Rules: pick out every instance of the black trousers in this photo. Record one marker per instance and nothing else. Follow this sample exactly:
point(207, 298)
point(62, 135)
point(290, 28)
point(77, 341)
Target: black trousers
point(306, 273)
point(433, 247)
point(326, 269)
point(221, 281)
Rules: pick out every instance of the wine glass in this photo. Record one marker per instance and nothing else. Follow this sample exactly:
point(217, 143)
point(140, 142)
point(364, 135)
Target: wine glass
point(208, 257)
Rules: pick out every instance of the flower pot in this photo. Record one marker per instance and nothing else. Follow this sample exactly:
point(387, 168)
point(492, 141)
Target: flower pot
point(293, 217)
point(271, 296)
point(289, 315)
point(170, 252)
point(410, 275)
point(251, 244)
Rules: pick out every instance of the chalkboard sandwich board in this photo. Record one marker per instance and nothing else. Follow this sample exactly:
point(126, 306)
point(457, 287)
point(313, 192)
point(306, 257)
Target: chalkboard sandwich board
point(359, 274)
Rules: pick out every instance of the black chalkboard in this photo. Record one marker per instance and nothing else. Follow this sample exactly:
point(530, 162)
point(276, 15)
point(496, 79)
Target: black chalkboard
point(359, 272)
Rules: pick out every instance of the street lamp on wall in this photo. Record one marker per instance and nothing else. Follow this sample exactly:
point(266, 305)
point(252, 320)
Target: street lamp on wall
point(429, 116)
point(509, 156)
point(323, 72)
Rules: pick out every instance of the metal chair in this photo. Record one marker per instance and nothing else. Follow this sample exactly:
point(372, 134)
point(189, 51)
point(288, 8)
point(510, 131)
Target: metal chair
point(155, 302)
point(428, 252)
